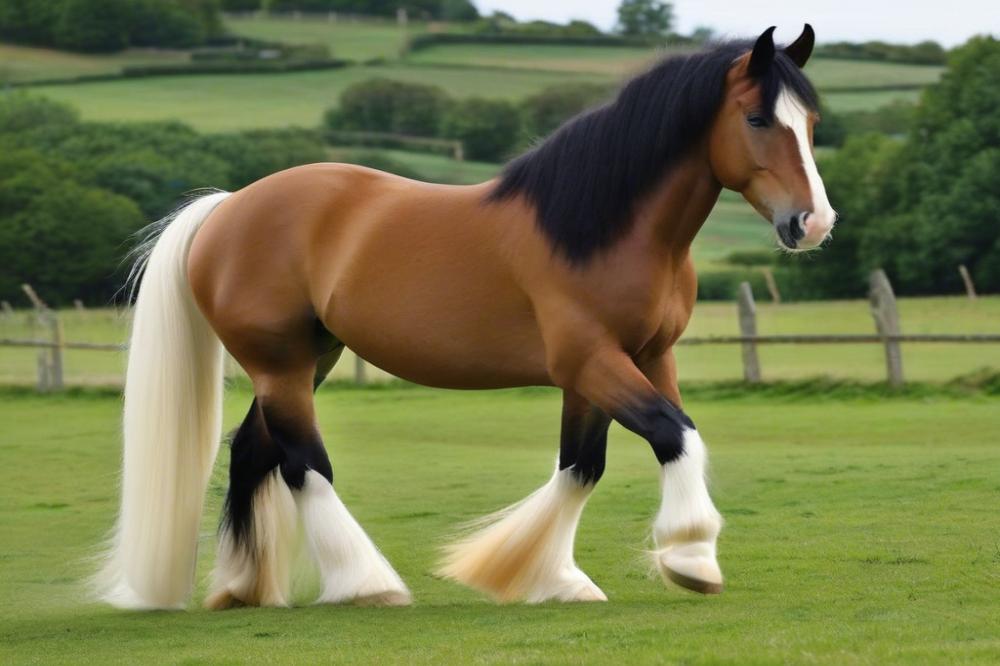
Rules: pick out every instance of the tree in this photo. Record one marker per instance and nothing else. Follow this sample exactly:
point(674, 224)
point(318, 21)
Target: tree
point(920, 207)
point(64, 237)
point(853, 177)
point(645, 18)
point(93, 25)
point(253, 154)
point(458, 10)
point(384, 105)
point(546, 110)
point(488, 128)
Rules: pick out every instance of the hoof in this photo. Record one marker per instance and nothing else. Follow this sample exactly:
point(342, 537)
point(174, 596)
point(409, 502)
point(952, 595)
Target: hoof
point(588, 593)
point(222, 600)
point(691, 566)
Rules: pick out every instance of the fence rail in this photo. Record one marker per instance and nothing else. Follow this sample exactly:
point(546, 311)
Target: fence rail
point(883, 309)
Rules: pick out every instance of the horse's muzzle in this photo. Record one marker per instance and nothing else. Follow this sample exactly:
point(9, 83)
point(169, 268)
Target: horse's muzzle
point(803, 230)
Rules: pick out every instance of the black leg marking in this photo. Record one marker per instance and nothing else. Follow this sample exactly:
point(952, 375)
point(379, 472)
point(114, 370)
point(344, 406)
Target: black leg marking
point(252, 457)
point(583, 441)
point(301, 448)
point(661, 423)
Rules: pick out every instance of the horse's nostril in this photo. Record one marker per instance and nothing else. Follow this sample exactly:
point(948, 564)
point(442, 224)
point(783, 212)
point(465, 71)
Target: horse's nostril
point(795, 226)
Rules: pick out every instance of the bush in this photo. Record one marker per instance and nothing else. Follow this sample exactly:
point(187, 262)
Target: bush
point(64, 237)
point(723, 285)
point(253, 154)
point(384, 105)
point(489, 129)
point(545, 111)
point(831, 130)
point(894, 118)
point(751, 258)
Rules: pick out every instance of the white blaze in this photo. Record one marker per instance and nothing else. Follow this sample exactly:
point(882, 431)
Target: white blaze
point(790, 112)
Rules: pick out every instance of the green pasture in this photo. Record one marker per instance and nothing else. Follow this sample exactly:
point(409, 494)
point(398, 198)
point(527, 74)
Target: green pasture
point(347, 38)
point(858, 531)
point(298, 99)
point(934, 363)
point(246, 101)
point(26, 63)
point(611, 61)
point(509, 71)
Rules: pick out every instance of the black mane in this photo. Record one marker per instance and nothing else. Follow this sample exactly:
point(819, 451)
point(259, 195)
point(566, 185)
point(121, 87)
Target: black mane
point(585, 179)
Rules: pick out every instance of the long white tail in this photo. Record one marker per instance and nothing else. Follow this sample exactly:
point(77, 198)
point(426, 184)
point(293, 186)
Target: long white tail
point(172, 426)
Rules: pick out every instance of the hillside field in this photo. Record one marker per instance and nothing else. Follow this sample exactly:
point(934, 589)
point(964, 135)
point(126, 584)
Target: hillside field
point(858, 531)
point(227, 102)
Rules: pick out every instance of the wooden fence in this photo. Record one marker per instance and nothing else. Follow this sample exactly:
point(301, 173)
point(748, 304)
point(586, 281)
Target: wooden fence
point(884, 312)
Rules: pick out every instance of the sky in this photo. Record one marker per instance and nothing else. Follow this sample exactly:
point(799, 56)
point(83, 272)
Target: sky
point(950, 22)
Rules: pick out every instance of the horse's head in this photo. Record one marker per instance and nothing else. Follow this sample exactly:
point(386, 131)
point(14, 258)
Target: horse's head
point(761, 141)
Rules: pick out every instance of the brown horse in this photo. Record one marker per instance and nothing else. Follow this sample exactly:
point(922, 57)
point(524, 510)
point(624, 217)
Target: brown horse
point(572, 269)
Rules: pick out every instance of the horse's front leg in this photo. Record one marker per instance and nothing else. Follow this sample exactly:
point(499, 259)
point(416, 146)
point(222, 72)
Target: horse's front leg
point(647, 402)
point(525, 552)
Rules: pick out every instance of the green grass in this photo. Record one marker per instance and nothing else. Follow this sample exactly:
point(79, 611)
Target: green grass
point(832, 72)
point(25, 63)
point(858, 532)
point(612, 62)
point(346, 38)
point(863, 362)
point(244, 101)
point(868, 101)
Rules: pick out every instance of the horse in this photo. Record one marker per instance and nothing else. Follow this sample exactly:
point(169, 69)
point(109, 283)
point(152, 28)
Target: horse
point(571, 269)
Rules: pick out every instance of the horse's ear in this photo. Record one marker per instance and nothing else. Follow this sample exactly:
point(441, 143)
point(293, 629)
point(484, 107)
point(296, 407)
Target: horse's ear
point(800, 50)
point(763, 54)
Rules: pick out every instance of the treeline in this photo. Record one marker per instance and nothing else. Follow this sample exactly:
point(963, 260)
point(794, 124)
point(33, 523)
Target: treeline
point(922, 53)
point(445, 10)
point(922, 205)
point(489, 129)
point(110, 25)
point(73, 192)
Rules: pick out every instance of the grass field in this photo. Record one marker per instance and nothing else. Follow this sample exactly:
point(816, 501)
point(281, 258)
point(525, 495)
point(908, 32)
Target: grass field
point(24, 63)
point(244, 101)
point(863, 362)
point(346, 38)
point(858, 532)
point(228, 102)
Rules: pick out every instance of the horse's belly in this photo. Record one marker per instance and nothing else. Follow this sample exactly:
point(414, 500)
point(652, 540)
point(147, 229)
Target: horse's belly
point(454, 319)
point(471, 347)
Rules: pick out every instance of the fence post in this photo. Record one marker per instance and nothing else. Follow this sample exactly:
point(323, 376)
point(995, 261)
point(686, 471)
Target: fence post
point(360, 371)
point(8, 311)
point(772, 285)
point(56, 353)
point(970, 287)
point(748, 329)
point(41, 321)
point(886, 315)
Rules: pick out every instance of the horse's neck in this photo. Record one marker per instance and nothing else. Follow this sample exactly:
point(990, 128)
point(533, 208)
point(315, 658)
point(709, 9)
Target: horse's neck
point(675, 211)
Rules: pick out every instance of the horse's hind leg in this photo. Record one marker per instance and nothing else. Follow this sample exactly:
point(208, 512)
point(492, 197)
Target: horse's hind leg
point(351, 567)
point(258, 530)
point(526, 552)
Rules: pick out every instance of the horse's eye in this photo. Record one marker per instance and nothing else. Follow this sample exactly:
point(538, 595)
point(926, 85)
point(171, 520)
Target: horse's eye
point(756, 121)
